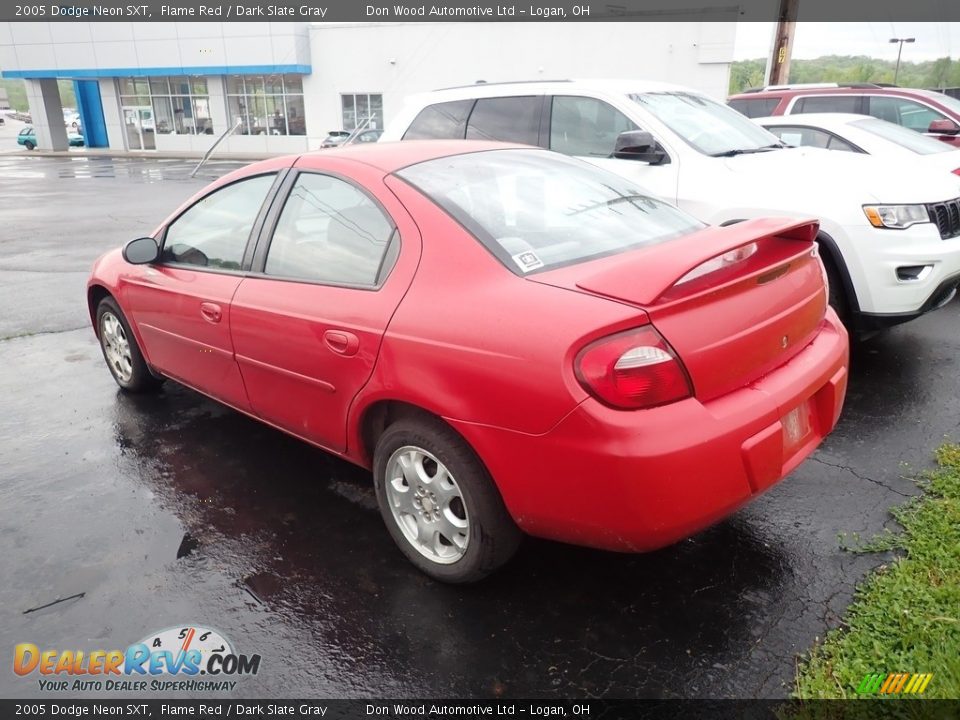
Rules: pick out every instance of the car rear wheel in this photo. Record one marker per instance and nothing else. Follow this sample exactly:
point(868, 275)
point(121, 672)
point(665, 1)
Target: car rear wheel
point(29, 145)
point(439, 502)
point(120, 350)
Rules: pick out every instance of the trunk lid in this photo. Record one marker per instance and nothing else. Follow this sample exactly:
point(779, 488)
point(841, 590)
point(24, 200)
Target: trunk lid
point(734, 302)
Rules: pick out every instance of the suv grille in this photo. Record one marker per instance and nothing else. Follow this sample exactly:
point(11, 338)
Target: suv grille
point(947, 217)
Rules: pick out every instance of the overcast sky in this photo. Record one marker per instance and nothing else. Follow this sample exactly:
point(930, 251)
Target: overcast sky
point(813, 39)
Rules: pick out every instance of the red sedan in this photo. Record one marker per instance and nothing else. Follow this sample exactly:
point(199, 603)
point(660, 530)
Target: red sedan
point(512, 340)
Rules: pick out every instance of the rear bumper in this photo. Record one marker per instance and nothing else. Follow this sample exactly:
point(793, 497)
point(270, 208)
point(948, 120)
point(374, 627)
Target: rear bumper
point(640, 480)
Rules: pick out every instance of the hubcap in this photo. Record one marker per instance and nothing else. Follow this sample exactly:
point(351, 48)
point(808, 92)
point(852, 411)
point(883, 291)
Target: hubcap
point(116, 347)
point(427, 505)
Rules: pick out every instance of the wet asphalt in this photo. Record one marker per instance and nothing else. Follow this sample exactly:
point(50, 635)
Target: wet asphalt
point(124, 515)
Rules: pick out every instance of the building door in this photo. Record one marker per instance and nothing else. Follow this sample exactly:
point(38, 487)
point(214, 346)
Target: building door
point(140, 127)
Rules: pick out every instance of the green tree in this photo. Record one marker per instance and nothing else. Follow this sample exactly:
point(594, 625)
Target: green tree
point(941, 73)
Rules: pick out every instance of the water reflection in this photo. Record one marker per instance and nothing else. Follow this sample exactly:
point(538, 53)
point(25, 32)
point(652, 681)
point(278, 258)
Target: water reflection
point(557, 620)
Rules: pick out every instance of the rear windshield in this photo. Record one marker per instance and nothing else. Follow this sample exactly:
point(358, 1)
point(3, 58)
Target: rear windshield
point(536, 210)
point(910, 139)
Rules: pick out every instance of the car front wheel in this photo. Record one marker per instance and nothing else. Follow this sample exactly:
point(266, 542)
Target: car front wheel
point(29, 145)
point(120, 349)
point(439, 502)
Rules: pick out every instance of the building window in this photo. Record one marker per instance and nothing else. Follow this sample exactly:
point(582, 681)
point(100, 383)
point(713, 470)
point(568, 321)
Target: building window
point(267, 104)
point(181, 104)
point(362, 110)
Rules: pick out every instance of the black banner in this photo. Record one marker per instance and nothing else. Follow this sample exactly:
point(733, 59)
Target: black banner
point(863, 709)
point(481, 11)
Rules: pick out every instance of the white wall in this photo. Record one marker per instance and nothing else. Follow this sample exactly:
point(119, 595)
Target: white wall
point(112, 116)
point(399, 59)
point(94, 45)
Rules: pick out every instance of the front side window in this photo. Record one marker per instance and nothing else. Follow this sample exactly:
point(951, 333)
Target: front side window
point(213, 232)
point(442, 121)
point(706, 125)
point(536, 210)
point(586, 126)
point(331, 232)
point(904, 112)
point(810, 137)
point(913, 141)
point(507, 119)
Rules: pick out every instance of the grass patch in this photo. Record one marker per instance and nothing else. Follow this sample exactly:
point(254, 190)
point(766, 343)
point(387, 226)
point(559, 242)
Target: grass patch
point(906, 616)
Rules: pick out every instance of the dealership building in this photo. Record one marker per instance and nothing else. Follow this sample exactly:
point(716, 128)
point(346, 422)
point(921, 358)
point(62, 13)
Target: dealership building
point(283, 86)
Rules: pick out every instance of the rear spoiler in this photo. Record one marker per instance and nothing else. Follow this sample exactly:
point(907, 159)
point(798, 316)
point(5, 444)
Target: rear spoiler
point(668, 262)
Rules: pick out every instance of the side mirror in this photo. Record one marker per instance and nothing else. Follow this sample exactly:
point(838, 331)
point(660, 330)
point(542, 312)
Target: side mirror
point(946, 126)
point(141, 251)
point(639, 145)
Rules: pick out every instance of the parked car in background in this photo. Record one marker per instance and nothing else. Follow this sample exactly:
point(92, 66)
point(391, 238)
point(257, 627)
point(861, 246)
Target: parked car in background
point(365, 136)
point(335, 138)
point(339, 138)
point(71, 119)
point(856, 133)
point(923, 111)
point(28, 138)
point(509, 338)
point(889, 237)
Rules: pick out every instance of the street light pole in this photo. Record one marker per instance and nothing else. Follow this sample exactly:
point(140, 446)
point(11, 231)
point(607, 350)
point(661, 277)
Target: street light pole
point(899, 51)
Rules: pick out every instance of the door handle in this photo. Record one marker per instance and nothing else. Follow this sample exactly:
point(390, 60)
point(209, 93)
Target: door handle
point(342, 342)
point(210, 312)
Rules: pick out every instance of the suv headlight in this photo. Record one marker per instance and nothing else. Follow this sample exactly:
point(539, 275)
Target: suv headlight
point(897, 217)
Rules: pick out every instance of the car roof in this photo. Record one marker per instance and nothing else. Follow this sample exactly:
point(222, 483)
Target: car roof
point(392, 156)
point(864, 89)
point(535, 87)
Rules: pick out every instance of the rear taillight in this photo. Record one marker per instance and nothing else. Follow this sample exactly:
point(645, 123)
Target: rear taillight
point(956, 172)
point(633, 369)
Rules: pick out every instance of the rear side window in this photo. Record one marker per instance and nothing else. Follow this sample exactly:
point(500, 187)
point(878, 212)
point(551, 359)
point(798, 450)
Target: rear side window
point(443, 121)
point(508, 119)
point(829, 103)
point(904, 112)
point(755, 107)
point(585, 126)
point(213, 232)
point(331, 232)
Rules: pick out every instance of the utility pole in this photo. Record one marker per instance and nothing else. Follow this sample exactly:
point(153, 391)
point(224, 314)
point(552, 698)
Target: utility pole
point(899, 52)
point(779, 65)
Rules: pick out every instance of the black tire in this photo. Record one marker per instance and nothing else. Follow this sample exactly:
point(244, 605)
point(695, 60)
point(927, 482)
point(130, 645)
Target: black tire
point(838, 295)
point(29, 145)
point(493, 537)
point(140, 378)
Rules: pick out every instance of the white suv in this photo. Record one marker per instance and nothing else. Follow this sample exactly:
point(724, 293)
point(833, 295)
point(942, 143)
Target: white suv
point(890, 235)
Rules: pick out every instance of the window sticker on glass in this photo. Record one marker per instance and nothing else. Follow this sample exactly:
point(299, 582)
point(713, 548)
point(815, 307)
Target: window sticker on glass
point(527, 261)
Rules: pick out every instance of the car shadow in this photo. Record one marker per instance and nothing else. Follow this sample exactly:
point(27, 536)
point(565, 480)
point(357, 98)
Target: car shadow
point(303, 530)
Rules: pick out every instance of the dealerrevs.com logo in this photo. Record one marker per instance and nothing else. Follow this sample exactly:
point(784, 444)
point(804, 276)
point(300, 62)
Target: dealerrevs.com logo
point(190, 658)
